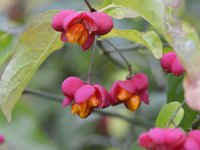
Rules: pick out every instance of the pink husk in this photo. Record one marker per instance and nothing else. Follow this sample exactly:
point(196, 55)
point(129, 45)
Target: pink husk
point(66, 102)
point(166, 61)
point(140, 81)
point(89, 42)
point(103, 96)
point(144, 96)
point(57, 22)
point(113, 92)
point(176, 67)
point(105, 23)
point(84, 93)
point(127, 85)
point(70, 85)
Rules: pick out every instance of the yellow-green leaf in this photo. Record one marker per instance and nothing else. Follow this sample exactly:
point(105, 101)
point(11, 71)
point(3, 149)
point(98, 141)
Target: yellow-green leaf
point(119, 12)
point(150, 39)
point(151, 10)
point(166, 114)
point(34, 46)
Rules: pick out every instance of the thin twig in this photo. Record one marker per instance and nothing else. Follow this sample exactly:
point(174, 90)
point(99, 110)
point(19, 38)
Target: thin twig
point(58, 98)
point(122, 56)
point(196, 124)
point(102, 47)
point(90, 71)
point(47, 95)
point(171, 120)
point(89, 6)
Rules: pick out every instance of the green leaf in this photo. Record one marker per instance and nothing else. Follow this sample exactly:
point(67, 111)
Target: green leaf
point(182, 37)
point(151, 10)
point(6, 50)
point(34, 46)
point(175, 92)
point(150, 39)
point(167, 112)
point(106, 2)
point(119, 12)
point(174, 88)
point(189, 117)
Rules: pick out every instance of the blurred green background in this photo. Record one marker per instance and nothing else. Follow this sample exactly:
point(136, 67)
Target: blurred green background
point(41, 124)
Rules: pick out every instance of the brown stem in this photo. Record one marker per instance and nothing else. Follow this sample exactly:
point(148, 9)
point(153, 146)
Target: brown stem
point(90, 71)
point(89, 6)
point(104, 51)
point(122, 56)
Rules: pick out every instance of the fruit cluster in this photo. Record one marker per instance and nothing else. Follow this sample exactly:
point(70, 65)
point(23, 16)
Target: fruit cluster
point(81, 27)
point(170, 139)
point(85, 97)
point(171, 64)
point(131, 91)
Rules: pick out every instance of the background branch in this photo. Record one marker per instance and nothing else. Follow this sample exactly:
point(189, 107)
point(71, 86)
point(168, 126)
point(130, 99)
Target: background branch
point(47, 95)
point(58, 98)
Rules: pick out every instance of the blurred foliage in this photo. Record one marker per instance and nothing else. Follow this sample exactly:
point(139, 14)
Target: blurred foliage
point(175, 92)
point(6, 49)
point(39, 124)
